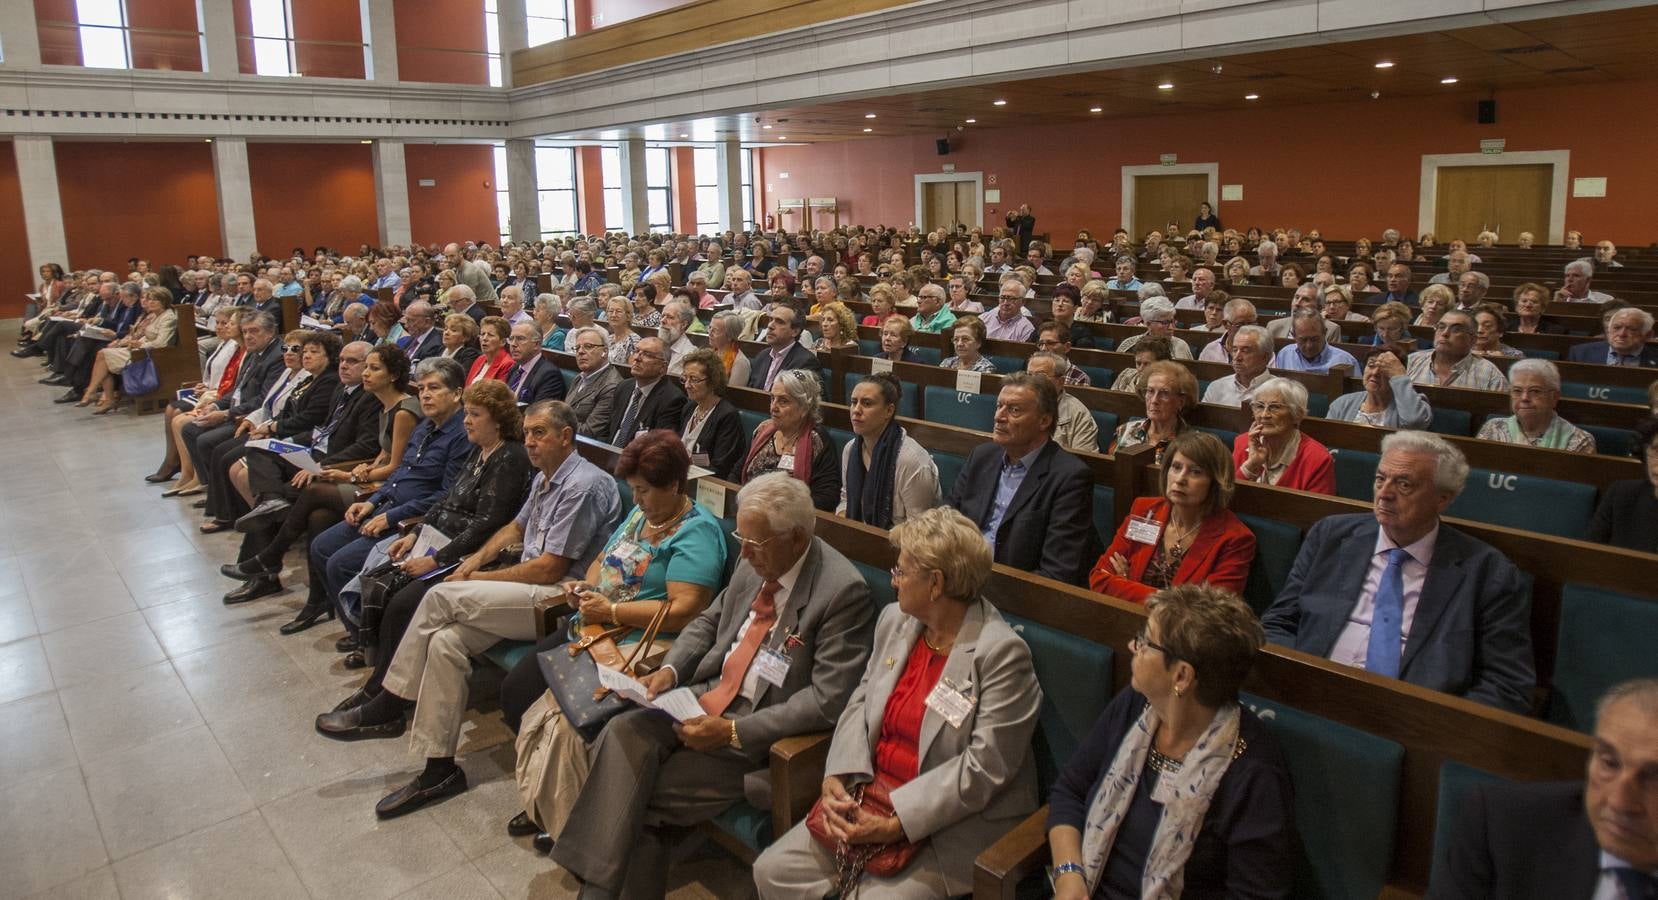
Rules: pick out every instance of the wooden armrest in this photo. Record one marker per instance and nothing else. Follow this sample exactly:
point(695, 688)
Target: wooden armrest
point(797, 765)
point(548, 612)
point(409, 524)
point(365, 491)
point(999, 869)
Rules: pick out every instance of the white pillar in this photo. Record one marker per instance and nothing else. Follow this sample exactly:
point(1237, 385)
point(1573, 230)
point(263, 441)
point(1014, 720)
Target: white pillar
point(515, 34)
point(235, 188)
point(380, 40)
point(729, 166)
point(523, 197)
point(37, 176)
point(635, 211)
point(391, 193)
point(19, 41)
point(218, 38)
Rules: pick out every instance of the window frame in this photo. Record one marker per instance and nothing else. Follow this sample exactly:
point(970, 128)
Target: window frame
point(542, 192)
point(85, 28)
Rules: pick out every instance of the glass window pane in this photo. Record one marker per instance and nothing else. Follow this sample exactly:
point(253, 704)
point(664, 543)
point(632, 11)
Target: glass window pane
point(503, 211)
point(544, 31)
point(553, 168)
point(492, 33)
point(656, 202)
point(558, 211)
point(610, 163)
point(270, 20)
point(490, 6)
point(656, 167)
point(748, 208)
point(706, 164)
point(99, 12)
point(613, 220)
point(495, 71)
point(708, 204)
point(748, 166)
point(104, 48)
point(270, 57)
point(499, 156)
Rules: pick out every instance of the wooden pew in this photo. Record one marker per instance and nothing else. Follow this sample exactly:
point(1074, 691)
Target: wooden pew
point(176, 366)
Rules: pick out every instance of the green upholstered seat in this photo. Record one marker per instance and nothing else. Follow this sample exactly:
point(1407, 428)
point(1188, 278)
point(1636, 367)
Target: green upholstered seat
point(1075, 675)
point(1604, 638)
point(749, 825)
point(841, 437)
point(507, 654)
point(1355, 472)
point(1543, 505)
point(1459, 422)
point(1105, 513)
point(1455, 782)
point(1097, 377)
point(948, 406)
point(751, 420)
point(879, 580)
point(949, 467)
point(1612, 441)
point(1226, 437)
point(1609, 393)
point(1107, 424)
point(1276, 544)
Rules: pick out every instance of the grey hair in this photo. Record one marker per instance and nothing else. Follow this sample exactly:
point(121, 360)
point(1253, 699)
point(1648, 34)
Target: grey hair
point(680, 304)
point(360, 309)
point(461, 290)
point(1542, 368)
point(1156, 306)
point(1640, 314)
point(454, 377)
point(803, 387)
point(1262, 336)
point(131, 287)
point(1583, 267)
point(549, 302)
point(586, 305)
point(1481, 277)
point(732, 323)
point(785, 502)
point(1291, 392)
point(1302, 315)
point(1450, 471)
point(534, 328)
point(262, 319)
point(1643, 691)
point(351, 283)
point(563, 417)
point(1267, 248)
point(1125, 258)
point(1062, 366)
point(1151, 289)
point(1238, 307)
point(574, 337)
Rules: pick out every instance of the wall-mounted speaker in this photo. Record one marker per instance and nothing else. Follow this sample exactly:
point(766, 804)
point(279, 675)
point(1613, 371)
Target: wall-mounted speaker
point(943, 146)
point(1488, 112)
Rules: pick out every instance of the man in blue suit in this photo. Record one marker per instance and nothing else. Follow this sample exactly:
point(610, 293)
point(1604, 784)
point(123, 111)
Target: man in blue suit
point(1401, 594)
point(1627, 333)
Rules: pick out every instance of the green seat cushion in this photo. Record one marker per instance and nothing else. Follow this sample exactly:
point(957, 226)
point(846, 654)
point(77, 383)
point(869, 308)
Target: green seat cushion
point(1075, 675)
point(1276, 544)
point(1605, 638)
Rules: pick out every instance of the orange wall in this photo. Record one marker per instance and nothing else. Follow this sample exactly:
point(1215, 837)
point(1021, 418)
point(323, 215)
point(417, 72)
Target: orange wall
point(1347, 169)
point(441, 40)
point(165, 36)
point(461, 206)
point(682, 163)
point(16, 273)
point(310, 194)
point(152, 200)
point(590, 190)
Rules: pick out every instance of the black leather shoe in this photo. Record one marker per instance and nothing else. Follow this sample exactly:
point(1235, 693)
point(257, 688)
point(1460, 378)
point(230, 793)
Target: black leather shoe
point(161, 477)
point(55, 380)
point(522, 825)
point(69, 396)
point(355, 700)
point(542, 842)
point(412, 796)
point(355, 660)
point(306, 618)
point(26, 352)
point(347, 725)
point(247, 568)
point(345, 644)
point(256, 587)
point(268, 512)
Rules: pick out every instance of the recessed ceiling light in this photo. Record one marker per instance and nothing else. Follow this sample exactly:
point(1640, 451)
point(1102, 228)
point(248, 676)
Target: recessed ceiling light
point(767, 127)
point(367, 142)
point(971, 121)
point(1384, 64)
point(684, 136)
point(1252, 96)
point(869, 115)
point(998, 103)
point(1166, 86)
point(1450, 80)
point(782, 137)
point(1095, 109)
point(868, 130)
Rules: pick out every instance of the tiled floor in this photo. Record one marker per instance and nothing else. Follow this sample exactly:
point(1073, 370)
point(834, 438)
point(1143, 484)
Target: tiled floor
point(156, 743)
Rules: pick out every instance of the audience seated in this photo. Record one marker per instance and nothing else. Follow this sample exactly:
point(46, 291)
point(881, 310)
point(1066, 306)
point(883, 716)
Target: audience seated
point(1274, 450)
point(783, 352)
point(712, 431)
point(1307, 299)
point(190, 435)
point(1076, 430)
point(532, 378)
point(647, 401)
point(887, 477)
point(1628, 333)
point(1312, 351)
point(1533, 394)
point(794, 441)
point(1157, 314)
point(1628, 512)
point(156, 328)
point(1170, 391)
point(1452, 361)
point(1489, 323)
point(967, 338)
point(1389, 398)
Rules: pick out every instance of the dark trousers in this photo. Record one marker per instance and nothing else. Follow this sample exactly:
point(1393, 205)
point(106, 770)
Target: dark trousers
point(200, 442)
point(318, 508)
point(75, 360)
point(270, 477)
point(336, 555)
point(223, 502)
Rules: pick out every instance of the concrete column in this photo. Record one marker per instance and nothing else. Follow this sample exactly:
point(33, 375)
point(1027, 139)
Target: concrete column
point(19, 41)
point(218, 38)
point(515, 35)
point(523, 197)
point(391, 193)
point(380, 41)
point(235, 189)
point(37, 176)
point(635, 212)
point(729, 162)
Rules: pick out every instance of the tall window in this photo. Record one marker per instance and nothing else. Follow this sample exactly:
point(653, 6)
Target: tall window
point(273, 38)
point(748, 190)
point(546, 21)
point(659, 190)
point(610, 163)
point(707, 171)
point(503, 208)
point(555, 176)
point(492, 42)
point(103, 33)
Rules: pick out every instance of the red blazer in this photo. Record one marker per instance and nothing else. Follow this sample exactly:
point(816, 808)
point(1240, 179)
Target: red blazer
point(497, 368)
point(1220, 554)
point(1312, 469)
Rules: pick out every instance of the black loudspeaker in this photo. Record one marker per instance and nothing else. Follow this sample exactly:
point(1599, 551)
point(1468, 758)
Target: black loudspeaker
point(943, 146)
point(1488, 112)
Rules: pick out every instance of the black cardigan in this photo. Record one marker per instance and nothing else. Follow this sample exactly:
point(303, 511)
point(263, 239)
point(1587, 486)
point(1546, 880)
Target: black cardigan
point(311, 408)
point(826, 470)
point(481, 500)
point(721, 438)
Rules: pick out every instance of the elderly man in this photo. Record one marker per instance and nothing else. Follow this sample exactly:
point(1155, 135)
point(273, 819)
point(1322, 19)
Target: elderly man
point(461, 301)
point(571, 510)
point(1401, 594)
point(1456, 263)
point(1076, 429)
point(1054, 337)
point(647, 401)
point(211, 424)
point(778, 653)
point(1576, 285)
point(712, 267)
point(677, 316)
point(1312, 352)
point(1627, 332)
point(532, 378)
point(1033, 501)
point(931, 315)
point(1157, 314)
point(1123, 278)
point(422, 338)
point(1471, 289)
point(385, 275)
point(1251, 354)
point(1203, 282)
point(1398, 286)
point(265, 299)
point(1007, 322)
point(1606, 254)
point(741, 285)
point(998, 260)
point(592, 395)
point(1307, 297)
point(1592, 839)
point(1452, 362)
point(1269, 270)
point(353, 324)
point(783, 349)
point(1237, 313)
point(512, 305)
point(474, 275)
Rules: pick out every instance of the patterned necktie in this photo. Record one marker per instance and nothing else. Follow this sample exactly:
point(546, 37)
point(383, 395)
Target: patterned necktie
point(624, 432)
point(1382, 656)
point(1637, 885)
point(717, 698)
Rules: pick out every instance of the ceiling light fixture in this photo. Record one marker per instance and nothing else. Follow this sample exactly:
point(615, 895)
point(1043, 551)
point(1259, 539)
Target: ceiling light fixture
point(683, 136)
point(1451, 80)
point(1166, 86)
point(1384, 64)
point(367, 142)
point(868, 130)
point(767, 127)
point(869, 115)
point(971, 121)
point(782, 137)
point(1252, 96)
point(998, 103)
point(1096, 109)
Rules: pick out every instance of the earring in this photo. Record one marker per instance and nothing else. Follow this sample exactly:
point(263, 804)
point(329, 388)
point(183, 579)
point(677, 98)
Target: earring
point(1178, 692)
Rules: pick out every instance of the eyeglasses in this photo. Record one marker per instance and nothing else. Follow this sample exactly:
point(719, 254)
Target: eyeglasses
point(1140, 642)
point(1271, 409)
point(1451, 327)
point(744, 543)
point(294, 348)
point(648, 355)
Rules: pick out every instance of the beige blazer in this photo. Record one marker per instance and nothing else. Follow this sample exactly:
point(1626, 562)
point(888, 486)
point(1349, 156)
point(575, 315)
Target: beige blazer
point(975, 781)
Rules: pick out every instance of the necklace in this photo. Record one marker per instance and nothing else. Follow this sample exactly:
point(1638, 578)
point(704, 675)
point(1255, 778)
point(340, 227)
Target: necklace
point(1179, 541)
point(651, 530)
point(936, 649)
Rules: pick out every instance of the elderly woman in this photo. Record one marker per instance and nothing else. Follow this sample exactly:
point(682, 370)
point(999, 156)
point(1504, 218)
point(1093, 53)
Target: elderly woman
point(1435, 300)
point(1178, 790)
point(1096, 302)
point(780, 282)
point(896, 333)
point(823, 293)
point(548, 307)
point(1531, 300)
point(1628, 512)
point(1338, 305)
point(623, 339)
point(1389, 398)
point(967, 337)
point(157, 328)
point(956, 789)
point(713, 430)
point(1157, 314)
point(1359, 279)
point(493, 359)
point(460, 339)
point(793, 440)
point(584, 312)
point(1488, 332)
point(725, 330)
point(1392, 326)
point(886, 476)
point(1274, 451)
point(1063, 307)
point(837, 327)
point(1170, 391)
point(644, 309)
point(1533, 395)
point(1237, 270)
point(1185, 536)
point(883, 302)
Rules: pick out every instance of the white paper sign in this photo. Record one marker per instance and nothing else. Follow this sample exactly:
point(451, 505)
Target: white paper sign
point(879, 364)
point(969, 380)
point(712, 496)
point(429, 542)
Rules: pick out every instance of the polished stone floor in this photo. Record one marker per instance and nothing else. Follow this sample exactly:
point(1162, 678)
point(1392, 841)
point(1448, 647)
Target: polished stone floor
point(156, 743)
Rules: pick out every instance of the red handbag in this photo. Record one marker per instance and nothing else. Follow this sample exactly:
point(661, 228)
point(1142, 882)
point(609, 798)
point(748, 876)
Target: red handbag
point(853, 860)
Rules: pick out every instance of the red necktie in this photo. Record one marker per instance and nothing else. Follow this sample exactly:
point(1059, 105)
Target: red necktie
point(717, 698)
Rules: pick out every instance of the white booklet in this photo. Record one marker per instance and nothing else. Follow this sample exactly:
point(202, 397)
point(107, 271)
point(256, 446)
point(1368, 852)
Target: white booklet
point(679, 702)
point(297, 454)
point(429, 542)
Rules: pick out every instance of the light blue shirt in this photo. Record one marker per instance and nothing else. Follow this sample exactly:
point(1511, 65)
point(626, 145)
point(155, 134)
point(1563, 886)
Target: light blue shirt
point(570, 514)
point(1133, 284)
point(289, 289)
point(1290, 358)
point(1007, 486)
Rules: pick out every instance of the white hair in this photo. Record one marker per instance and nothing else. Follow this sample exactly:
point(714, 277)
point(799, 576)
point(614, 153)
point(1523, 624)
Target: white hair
point(1582, 267)
point(1450, 471)
point(1542, 368)
point(1291, 392)
point(1156, 306)
point(785, 502)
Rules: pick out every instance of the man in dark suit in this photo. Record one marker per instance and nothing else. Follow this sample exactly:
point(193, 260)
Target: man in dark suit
point(783, 339)
point(1033, 501)
point(265, 299)
point(649, 399)
point(1403, 595)
point(1568, 840)
point(532, 378)
point(591, 396)
point(424, 338)
point(777, 653)
point(261, 366)
point(1627, 333)
point(1398, 287)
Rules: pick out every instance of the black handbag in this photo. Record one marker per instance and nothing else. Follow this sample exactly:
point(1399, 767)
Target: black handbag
point(572, 673)
point(376, 588)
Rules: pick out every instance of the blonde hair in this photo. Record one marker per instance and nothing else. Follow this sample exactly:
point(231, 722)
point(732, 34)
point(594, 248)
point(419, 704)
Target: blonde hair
point(947, 542)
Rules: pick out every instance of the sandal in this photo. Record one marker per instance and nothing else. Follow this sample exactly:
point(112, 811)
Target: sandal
point(214, 526)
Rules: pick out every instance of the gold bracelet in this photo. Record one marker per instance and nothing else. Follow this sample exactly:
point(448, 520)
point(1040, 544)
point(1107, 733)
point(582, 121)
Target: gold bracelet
point(613, 619)
point(736, 743)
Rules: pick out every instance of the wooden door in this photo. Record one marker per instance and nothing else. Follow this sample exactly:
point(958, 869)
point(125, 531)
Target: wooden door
point(967, 205)
point(1161, 199)
point(946, 203)
point(1504, 199)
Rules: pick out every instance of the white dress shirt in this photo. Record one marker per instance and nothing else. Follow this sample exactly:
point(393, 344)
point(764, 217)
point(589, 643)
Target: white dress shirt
point(1228, 392)
point(751, 680)
point(1353, 645)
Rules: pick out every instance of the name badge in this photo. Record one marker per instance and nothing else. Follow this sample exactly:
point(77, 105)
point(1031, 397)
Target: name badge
point(699, 459)
point(879, 364)
point(786, 461)
point(1142, 530)
point(949, 702)
point(771, 667)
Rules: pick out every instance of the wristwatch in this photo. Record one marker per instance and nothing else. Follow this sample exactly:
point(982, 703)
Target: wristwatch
point(736, 743)
point(1066, 868)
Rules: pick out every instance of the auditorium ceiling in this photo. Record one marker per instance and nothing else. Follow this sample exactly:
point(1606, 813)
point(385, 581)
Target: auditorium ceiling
point(1584, 50)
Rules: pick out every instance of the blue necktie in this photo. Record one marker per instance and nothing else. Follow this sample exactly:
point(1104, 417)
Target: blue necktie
point(1637, 885)
point(1382, 656)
